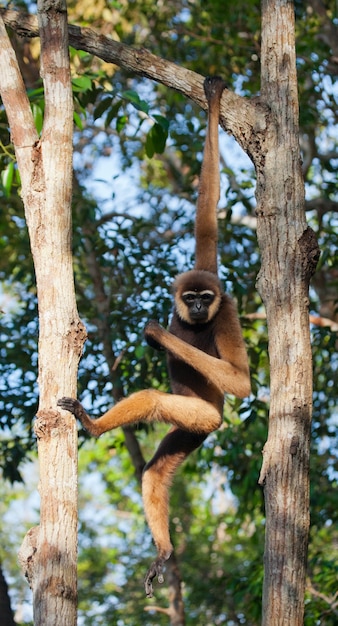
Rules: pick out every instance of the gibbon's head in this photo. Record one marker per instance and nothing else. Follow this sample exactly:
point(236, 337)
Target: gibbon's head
point(197, 296)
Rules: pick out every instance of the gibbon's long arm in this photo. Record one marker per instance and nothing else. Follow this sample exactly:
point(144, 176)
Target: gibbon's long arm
point(206, 229)
point(229, 373)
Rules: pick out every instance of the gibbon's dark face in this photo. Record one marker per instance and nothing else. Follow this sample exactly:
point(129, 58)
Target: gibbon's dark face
point(197, 296)
point(198, 303)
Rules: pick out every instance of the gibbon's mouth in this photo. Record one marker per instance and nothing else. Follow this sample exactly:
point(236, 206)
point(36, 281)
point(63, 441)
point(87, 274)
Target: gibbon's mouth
point(198, 316)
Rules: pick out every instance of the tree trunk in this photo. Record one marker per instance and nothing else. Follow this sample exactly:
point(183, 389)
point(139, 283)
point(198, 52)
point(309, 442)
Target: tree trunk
point(49, 551)
point(7, 618)
point(289, 253)
point(175, 610)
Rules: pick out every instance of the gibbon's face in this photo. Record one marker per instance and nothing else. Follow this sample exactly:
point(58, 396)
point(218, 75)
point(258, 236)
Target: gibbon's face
point(198, 304)
point(197, 296)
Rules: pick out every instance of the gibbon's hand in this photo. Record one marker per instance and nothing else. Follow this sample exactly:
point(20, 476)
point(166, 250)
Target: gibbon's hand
point(69, 404)
point(151, 333)
point(74, 406)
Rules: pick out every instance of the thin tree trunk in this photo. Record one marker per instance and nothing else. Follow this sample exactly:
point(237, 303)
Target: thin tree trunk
point(289, 252)
point(7, 618)
point(175, 611)
point(49, 551)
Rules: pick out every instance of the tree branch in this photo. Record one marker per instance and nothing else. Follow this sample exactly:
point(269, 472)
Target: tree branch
point(329, 32)
point(321, 205)
point(13, 94)
point(330, 600)
point(316, 320)
point(244, 119)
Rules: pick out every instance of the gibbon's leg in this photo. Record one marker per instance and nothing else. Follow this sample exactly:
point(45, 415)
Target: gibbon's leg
point(156, 480)
point(189, 413)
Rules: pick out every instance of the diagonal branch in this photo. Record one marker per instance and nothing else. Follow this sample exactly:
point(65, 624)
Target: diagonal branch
point(329, 32)
point(13, 94)
point(244, 119)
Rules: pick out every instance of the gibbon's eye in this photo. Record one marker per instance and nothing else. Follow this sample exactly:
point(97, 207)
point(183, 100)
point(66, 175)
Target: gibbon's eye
point(189, 297)
point(207, 298)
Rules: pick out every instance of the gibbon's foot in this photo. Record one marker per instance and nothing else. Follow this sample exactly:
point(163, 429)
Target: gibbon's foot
point(154, 570)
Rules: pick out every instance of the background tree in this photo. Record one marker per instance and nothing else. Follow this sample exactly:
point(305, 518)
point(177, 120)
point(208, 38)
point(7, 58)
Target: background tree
point(163, 177)
point(48, 555)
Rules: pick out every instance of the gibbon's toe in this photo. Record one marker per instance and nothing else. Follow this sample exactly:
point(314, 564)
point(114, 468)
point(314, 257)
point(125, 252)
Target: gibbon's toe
point(154, 570)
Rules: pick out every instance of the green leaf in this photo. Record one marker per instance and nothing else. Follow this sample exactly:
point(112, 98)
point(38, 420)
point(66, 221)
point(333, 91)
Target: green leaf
point(139, 352)
point(121, 123)
point(102, 107)
point(156, 140)
point(135, 100)
point(149, 145)
point(77, 120)
point(38, 116)
point(162, 121)
point(113, 113)
point(7, 178)
point(82, 83)
point(17, 177)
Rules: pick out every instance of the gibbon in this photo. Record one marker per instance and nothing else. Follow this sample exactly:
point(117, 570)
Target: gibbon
point(206, 358)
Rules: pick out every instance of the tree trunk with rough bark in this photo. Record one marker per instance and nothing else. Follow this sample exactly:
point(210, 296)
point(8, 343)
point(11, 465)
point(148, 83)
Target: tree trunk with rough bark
point(49, 552)
point(289, 254)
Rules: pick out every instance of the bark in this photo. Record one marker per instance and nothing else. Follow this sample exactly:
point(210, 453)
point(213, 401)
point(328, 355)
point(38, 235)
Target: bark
point(289, 253)
point(45, 164)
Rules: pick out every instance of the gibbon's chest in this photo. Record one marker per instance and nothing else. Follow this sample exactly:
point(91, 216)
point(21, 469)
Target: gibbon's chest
point(200, 336)
point(184, 379)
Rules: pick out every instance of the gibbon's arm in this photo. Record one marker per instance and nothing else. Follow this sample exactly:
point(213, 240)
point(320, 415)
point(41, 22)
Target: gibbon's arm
point(230, 373)
point(206, 227)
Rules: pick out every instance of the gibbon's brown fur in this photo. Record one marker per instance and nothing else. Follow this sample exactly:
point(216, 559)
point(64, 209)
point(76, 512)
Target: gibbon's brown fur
point(206, 358)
